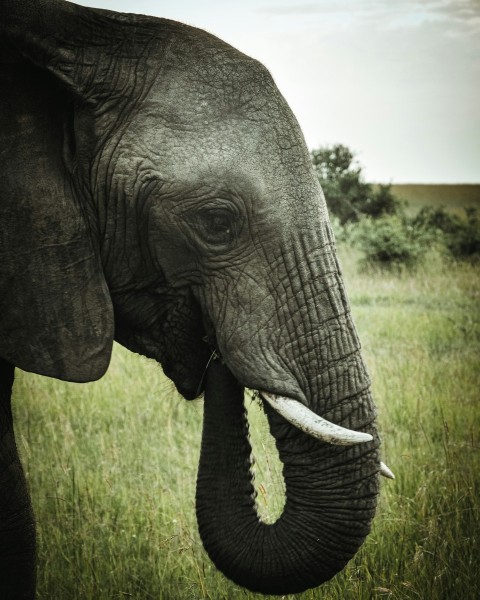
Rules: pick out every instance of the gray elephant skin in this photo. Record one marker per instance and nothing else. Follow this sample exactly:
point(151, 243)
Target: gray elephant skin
point(157, 190)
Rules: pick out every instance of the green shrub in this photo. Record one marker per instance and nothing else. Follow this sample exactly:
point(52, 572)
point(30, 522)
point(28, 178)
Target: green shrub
point(461, 237)
point(464, 243)
point(343, 233)
point(389, 242)
point(430, 218)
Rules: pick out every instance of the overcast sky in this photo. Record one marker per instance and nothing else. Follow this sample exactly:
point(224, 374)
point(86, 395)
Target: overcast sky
point(398, 81)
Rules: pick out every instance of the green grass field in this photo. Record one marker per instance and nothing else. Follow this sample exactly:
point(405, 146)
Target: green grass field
point(112, 464)
point(454, 198)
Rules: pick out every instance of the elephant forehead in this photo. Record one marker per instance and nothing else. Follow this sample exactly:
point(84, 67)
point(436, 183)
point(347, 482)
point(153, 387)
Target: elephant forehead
point(271, 152)
point(234, 157)
point(217, 93)
point(219, 120)
point(210, 82)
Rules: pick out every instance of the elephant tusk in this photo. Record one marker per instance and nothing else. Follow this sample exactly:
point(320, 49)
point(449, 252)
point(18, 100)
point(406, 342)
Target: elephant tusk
point(302, 417)
point(385, 471)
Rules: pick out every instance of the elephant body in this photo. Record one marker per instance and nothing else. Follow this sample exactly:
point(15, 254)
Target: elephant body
point(156, 189)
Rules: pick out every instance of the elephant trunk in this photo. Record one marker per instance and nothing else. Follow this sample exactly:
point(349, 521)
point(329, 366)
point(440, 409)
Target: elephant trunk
point(330, 495)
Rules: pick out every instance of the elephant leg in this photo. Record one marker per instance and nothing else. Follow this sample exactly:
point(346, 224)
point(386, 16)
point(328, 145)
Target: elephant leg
point(17, 526)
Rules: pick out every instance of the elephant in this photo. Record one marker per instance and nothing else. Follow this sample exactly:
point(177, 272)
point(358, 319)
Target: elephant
point(157, 190)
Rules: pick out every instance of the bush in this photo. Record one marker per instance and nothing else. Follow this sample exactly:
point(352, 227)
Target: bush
point(343, 233)
point(389, 242)
point(461, 237)
point(464, 243)
point(435, 219)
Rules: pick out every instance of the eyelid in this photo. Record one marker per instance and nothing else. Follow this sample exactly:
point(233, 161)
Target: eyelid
point(191, 213)
point(218, 204)
point(220, 213)
point(222, 206)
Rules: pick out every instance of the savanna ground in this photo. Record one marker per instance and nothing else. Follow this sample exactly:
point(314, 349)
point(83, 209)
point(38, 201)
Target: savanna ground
point(112, 464)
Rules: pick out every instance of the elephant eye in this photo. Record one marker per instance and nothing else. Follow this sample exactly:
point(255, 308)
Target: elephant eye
point(217, 225)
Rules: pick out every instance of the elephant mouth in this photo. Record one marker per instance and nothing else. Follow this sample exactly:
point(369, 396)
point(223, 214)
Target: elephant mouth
point(301, 417)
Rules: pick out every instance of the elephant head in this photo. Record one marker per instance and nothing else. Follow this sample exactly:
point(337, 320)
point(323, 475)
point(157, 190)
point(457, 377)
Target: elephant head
point(156, 189)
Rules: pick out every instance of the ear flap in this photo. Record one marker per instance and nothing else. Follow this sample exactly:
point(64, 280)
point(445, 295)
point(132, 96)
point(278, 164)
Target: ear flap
point(80, 45)
point(56, 316)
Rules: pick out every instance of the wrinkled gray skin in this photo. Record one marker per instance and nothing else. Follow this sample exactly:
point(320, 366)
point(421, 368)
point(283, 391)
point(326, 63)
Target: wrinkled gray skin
point(156, 189)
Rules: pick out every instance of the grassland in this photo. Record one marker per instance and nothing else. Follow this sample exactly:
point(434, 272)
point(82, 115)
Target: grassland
point(112, 464)
point(454, 198)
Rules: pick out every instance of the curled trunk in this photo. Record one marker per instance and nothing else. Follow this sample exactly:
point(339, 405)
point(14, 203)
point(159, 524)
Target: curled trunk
point(330, 495)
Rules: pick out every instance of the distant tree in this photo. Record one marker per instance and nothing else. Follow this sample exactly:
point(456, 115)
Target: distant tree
point(380, 202)
point(466, 243)
point(437, 219)
point(461, 236)
point(348, 196)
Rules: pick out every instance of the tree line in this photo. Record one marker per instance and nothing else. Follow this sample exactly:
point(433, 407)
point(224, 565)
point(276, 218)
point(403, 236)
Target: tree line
point(372, 218)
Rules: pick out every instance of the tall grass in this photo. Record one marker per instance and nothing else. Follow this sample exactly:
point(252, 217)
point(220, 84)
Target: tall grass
point(112, 465)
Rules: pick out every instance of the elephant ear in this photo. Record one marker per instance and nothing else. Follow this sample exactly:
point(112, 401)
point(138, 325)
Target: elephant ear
point(56, 315)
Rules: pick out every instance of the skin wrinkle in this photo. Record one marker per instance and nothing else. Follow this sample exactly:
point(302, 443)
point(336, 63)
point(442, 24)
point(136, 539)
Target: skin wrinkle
point(234, 327)
point(332, 359)
point(295, 325)
point(147, 190)
point(297, 373)
point(150, 215)
point(120, 125)
point(297, 334)
point(329, 486)
point(334, 481)
point(330, 475)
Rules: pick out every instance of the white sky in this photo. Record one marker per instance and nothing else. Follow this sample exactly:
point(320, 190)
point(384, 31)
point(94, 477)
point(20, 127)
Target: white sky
point(398, 81)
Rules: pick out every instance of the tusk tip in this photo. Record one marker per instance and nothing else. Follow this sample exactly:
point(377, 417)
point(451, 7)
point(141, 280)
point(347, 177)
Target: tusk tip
point(364, 437)
point(385, 471)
